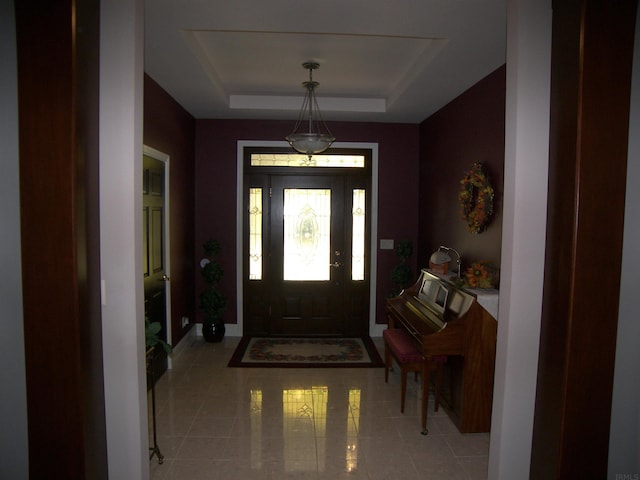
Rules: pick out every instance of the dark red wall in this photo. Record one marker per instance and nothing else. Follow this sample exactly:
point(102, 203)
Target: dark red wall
point(170, 129)
point(216, 180)
point(469, 129)
point(419, 169)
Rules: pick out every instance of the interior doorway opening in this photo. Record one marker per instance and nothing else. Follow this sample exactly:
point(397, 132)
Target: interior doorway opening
point(155, 247)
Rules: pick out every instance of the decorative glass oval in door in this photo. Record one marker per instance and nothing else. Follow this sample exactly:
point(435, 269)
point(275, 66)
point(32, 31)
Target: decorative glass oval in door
point(307, 234)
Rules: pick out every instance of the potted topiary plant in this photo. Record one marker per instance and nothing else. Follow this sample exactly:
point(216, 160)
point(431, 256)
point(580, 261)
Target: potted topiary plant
point(212, 301)
point(401, 274)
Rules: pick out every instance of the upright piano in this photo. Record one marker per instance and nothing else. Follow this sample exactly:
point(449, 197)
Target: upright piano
point(446, 320)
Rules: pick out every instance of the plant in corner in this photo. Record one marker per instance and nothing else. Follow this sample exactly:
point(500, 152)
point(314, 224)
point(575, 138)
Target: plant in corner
point(152, 340)
point(152, 337)
point(401, 273)
point(212, 301)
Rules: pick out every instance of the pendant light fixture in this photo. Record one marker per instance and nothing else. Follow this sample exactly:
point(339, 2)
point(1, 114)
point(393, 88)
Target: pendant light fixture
point(318, 138)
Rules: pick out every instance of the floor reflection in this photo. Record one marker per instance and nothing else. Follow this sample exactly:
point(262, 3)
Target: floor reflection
point(255, 413)
point(216, 422)
point(304, 418)
point(353, 424)
point(304, 428)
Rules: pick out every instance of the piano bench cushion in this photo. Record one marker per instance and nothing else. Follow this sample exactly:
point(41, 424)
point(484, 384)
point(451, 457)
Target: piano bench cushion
point(404, 348)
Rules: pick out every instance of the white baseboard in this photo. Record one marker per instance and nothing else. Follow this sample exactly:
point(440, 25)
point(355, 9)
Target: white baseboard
point(235, 330)
point(230, 329)
point(376, 330)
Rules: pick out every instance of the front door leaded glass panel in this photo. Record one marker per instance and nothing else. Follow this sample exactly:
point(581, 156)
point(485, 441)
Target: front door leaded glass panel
point(255, 233)
point(358, 219)
point(307, 234)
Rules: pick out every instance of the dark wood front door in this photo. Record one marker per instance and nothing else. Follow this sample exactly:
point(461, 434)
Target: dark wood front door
point(315, 242)
point(306, 258)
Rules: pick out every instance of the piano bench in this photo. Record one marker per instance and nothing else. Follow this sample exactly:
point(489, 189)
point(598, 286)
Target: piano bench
point(404, 350)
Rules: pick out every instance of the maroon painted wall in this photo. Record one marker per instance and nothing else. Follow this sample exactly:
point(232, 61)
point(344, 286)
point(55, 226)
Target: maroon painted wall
point(215, 188)
point(469, 129)
point(419, 169)
point(170, 129)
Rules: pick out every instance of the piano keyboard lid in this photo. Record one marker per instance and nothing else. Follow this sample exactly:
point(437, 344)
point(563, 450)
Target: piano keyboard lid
point(427, 314)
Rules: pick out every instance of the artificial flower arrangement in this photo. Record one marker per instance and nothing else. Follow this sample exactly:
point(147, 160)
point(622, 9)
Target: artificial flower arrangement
point(481, 275)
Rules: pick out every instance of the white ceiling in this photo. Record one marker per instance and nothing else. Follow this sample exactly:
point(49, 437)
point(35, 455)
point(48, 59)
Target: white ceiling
point(380, 60)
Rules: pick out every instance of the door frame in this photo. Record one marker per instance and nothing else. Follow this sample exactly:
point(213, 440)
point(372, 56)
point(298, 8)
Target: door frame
point(164, 158)
point(237, 329)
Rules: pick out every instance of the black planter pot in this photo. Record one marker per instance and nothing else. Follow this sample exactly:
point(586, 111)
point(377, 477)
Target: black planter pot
point(213, 331)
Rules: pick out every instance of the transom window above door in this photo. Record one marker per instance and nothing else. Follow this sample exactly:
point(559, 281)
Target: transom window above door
point(299, 160)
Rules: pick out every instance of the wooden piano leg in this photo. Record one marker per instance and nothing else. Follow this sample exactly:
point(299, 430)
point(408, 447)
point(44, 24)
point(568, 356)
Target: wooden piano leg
point(426, 376)
point(438, 386)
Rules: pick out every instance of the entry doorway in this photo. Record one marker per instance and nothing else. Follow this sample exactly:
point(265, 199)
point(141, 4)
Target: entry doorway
point(306, 243)
point(155, 247)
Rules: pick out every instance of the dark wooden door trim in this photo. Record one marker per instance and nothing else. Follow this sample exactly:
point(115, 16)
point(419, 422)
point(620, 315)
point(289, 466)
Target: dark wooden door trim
point(58, 102)
point(592, 50)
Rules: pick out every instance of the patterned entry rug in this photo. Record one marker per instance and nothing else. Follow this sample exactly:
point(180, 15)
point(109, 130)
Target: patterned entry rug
point(306, 352)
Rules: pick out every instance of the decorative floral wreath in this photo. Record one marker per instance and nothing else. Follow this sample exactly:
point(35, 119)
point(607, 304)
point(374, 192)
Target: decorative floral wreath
point(476, 198)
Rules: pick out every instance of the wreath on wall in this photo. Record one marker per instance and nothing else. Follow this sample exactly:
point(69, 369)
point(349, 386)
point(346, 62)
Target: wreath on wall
point(476, 198)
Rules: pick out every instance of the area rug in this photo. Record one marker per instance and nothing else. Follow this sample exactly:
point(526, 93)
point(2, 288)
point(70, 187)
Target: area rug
point(305, 352)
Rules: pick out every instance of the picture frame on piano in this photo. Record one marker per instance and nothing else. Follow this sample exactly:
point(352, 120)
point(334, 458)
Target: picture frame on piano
point(434, 294)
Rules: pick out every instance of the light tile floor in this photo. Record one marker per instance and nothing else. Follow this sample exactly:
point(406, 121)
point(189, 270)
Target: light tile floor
point(216, 422)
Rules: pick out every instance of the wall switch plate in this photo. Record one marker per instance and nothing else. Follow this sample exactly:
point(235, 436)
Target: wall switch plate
point(386, 244)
